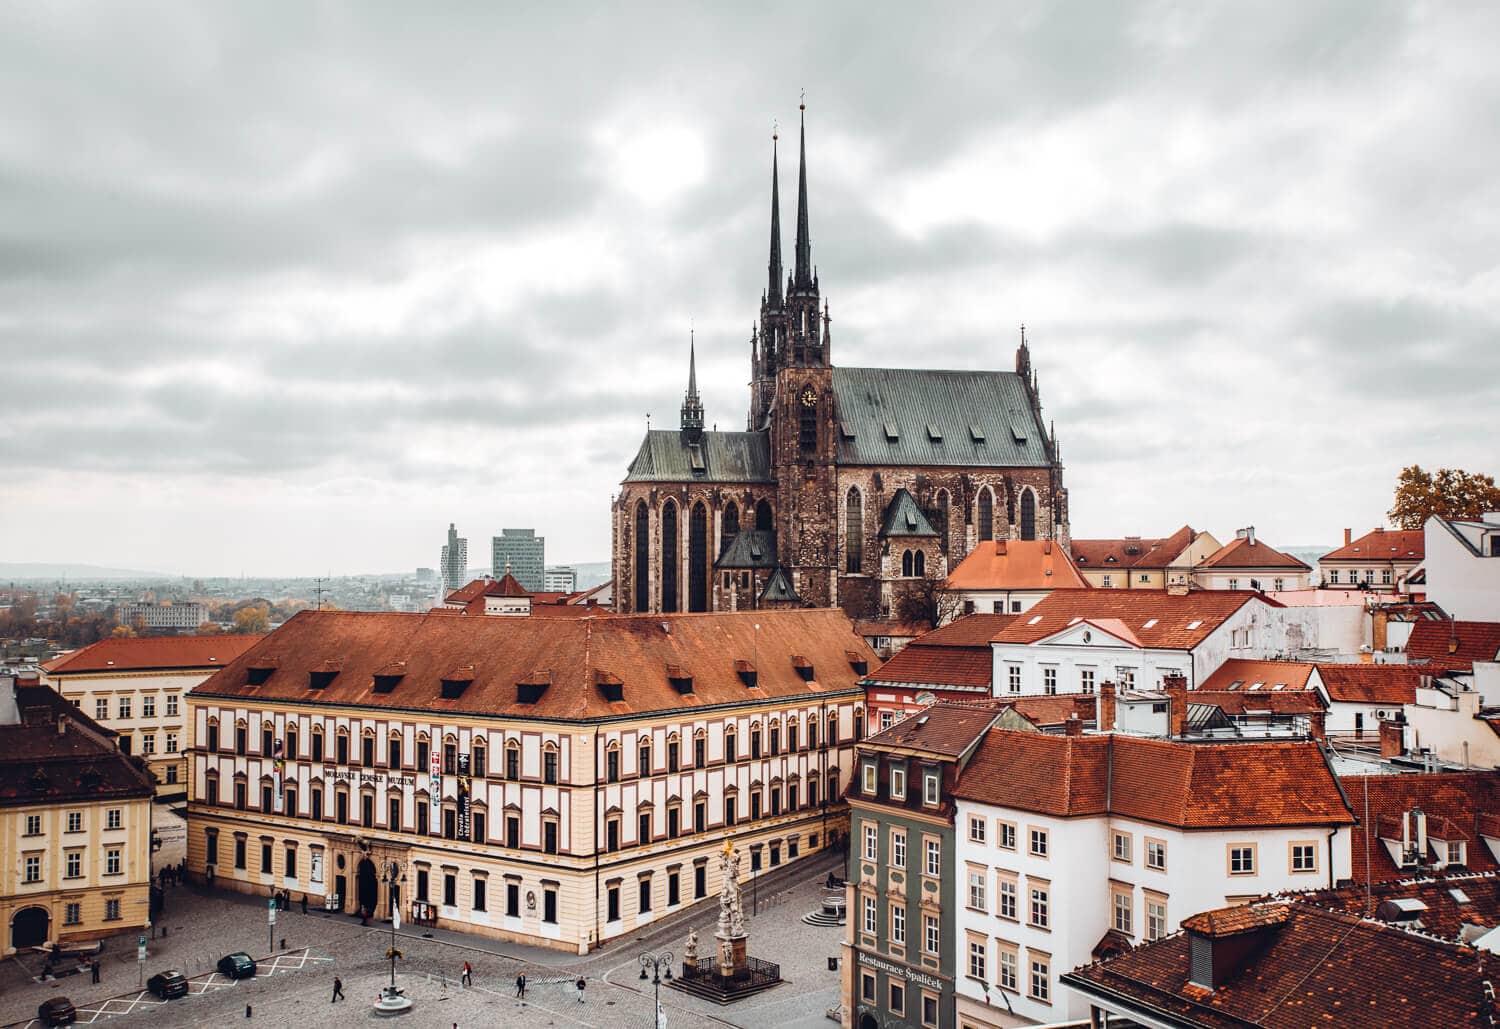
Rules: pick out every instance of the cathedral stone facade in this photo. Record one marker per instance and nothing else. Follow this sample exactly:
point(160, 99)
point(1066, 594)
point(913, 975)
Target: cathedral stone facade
point(851, 487)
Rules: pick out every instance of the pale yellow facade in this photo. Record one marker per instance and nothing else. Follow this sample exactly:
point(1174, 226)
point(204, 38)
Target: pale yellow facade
point(1178, 571)
point(147, 709)
point(78, 866)
point(557, 808)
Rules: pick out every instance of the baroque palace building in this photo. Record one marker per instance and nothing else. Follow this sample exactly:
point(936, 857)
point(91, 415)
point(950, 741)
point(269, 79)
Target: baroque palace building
point(559, 782)
point(849, 486)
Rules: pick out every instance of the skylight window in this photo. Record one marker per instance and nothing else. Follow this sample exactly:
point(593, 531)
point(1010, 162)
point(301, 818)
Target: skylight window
point(1279, 686)
point(1034, 619)
point(1237, 684)
point(1150, 623)
point(1257, 685)
point(1194, 623)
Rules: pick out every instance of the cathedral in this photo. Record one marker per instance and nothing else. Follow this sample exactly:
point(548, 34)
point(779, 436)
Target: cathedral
point(850, 487)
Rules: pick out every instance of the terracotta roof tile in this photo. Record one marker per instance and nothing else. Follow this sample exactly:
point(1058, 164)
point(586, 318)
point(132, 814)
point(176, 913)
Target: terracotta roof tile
point(938, 666)
point(38, 763)
point(1178, 622)
point(975, 630)
point(505, 651)
point(1383, 545)
point(1240, 674)
point(1463, 798)
point(1189, 785)
point(1242, 702)
point(1241, 553)
point(152, 653)
point(1445, 914)
point(1317, 968)
point(1393, 685)
point(1131, 551)
point(1239, 919)
point(1451, 645)
point(946, 729)
point(1016, 565)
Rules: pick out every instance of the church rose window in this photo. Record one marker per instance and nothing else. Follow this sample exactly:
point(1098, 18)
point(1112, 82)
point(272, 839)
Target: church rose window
point(854, 533)
point(669, 557)
point(642, 557)
point(1028, 515)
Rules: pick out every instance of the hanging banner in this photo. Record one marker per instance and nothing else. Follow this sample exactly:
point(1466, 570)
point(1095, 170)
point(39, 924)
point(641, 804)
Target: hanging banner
point(435, 790)
point(465, 783)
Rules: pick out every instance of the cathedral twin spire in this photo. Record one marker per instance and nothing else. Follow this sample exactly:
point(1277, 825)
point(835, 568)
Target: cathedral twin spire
point(803, 278)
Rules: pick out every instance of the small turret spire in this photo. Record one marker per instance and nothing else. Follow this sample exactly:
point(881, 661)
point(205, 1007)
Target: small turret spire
point(804, 271)
point(692, 407)
point(773, 294)
point(692, 364)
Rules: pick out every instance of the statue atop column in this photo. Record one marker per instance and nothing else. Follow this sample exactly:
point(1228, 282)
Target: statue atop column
point(731, 929)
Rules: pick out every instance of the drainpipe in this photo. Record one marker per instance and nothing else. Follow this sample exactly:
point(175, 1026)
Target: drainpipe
point(1331, 834)
point(597, 941)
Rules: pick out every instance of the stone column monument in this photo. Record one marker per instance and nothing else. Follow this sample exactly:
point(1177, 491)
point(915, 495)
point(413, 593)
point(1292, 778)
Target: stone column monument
point(731, 929)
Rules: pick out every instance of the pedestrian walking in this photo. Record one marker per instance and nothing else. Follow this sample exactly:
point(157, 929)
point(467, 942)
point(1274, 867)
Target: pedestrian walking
point(338, 989)
point(364, 917)
point(304, 903)
point(94, 968)
point(521, 986)
point(579, 984)
point(468, 976)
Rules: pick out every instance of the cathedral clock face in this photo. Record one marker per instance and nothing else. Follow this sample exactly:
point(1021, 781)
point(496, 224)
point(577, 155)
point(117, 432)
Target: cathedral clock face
point(809, 397)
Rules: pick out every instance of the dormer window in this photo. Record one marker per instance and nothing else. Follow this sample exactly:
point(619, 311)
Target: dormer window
point(867, 770)
point(898, 784)
point(931, 792)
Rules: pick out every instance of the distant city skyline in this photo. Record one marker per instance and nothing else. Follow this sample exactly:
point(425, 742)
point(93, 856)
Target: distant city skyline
point(288, 303)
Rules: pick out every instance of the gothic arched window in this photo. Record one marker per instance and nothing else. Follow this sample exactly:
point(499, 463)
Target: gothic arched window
point(919, 564)
point(764, 520)
point(731, 522)
point(942, 518)
point(854, 532)
point(698, 558)
point(986, 517)
point(1028, 515)
point(906, 563)
point(642, 557)
point(669, 557)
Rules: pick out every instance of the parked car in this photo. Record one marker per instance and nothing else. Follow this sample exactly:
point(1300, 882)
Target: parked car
point(169, 984)
point(56, 1011)
point(238, 965)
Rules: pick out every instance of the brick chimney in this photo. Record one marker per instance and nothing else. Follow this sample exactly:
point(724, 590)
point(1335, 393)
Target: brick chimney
point(1379, 619)
point(1104, 720)
point(1348, 537)
point(1177, 703)
point(1073, 726)
point(1392, 739)
point(1317, 725)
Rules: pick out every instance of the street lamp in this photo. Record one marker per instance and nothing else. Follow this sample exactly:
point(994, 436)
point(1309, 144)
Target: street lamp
point(661, 968)
point(393, 877)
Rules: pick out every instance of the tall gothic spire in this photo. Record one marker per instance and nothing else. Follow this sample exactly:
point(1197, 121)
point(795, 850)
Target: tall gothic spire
point(803, 275)
point(692, 407)
point(773, 293)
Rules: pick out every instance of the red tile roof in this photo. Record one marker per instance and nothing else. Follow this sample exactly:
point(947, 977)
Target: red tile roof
point(1250, 702)
point(38, 764)
point(938, 666)
point(945, 729)
point(1132, 551)
point(1236, 920)
point(1239, 674)
point(1016, 565)
point(1188, 785)
point(566, 653)
point(1451, 646)
point(1316, 968)
point(1445, 916)
point(1179, 622)
point(1393, 685)
point(505, 586)
point(1383, 545)
point(152, 653)
point(1462, 798)
point(1241, 553)
point(974, 630)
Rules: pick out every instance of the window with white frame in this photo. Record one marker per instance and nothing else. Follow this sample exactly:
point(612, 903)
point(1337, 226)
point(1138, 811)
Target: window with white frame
point(898, 925)
point(1156, 919)
point(1086, 680)
point(931, 933)
point(171, 705)
point(101, 708)
point(870, 916)
point(1007, 899)
point(1122, 846)
point(1304, 857)
point(1108, 580)
point(1008, 970)
point(1127, 678)
point(1156, 855)
point(898, 848)
point(1234, 584)
point(171, 743)
point(1278, 585)
point(1038, 842)
point(1041, 979)
point(887, 719)
point(1385, 577)
point(898, 783)
point(33, 825)
point(112, 818)
point(112, 861)
point(148, 743)
point(1333, 576)
point(931, 793)
point(1013, 678)
point(934, 858)
point(978, 958)
point(1456, 854)
point(1041, 905)
point(123, 704)
point(868, 772)
point(1242, 859)
point(1124, 912)
point(976, 828)
point(1049, 681)
point(148, 706)
point(1007, 839)
point(976, 889)
point(872, 842)
point(33, 868)
point(75, 821)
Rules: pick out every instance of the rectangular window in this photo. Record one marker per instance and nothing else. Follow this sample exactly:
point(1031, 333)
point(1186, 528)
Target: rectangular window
point(867, 770)
point(289, 862)
point(512, 831)
point(929, 1011)
point(1008, 970)
point(239, 852)
point(1038, 842)
point(1041, 979)
point(612, 912)
point(75, 864)
point(124, 706)
point(1049, 681)
point(75, 821)
point(480, 885)
point(869, 916)
point(1007, 836)
point(700, 881)
point(1086, 680)
point(1124, 912)
point(897, 998)
point(1234, 584)
point(393, 814)
point(112, 909)
point(549, 905)
point(393, 753)
point(265, 858)
point(898, 925)
point(1304, 857)
point(171, 775)
point(549, 837)
point(934, 858)
point(1156, 919)
point(101, 708)
point(450, 889)
point(931, 933)
point(674, 888)
point(1122, 846)
point(171, 743)
point(549, 768)
point(976, 828)
point(148, 706)
point(73, 913)
point(211, 845)
point(867, 987)
point(898, 848)
point(643, 890)
point(1007, 905)
point(1013, 678)
point(872, 842)
point(930, 789)
point(450, 758)
point(643, 828)
point(1333, 577)
point(1156, 854)
point(112, 861)
point(731, 810)
point(513, 899)
point(976, 889)
point(33, 825)
point(33, 868)
point(898, 784)
point(1108, 580)
point(171, 705)
point(978, 957)
point(1040, 907)
point(1242, 859)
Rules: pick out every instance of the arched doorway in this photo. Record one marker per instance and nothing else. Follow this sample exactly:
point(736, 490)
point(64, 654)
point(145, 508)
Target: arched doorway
point(867, 1021)
point(29, 927)
point(368, 884)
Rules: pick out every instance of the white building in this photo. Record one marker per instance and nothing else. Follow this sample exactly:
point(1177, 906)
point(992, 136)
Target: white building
point(561, 579)
point(1380, 561)
point(1071, 848)
point(163, 616)
point(1463, 566)
point(1245, 563)
point(1458, 718)
point(1075, 639)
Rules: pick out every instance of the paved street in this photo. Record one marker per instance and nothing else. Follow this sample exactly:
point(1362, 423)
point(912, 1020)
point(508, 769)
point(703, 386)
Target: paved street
point(295, 985)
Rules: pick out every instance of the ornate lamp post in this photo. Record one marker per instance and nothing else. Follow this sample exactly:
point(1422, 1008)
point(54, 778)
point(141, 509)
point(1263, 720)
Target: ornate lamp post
point(661, 969)
point(393, 1000)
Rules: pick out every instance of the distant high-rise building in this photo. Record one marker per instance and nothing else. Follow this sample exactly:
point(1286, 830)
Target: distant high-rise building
point(427, 575)
point(562, 579)
point(453, 566)
point(522, 553)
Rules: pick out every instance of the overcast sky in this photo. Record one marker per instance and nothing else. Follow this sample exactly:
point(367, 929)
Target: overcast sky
point(288, 287)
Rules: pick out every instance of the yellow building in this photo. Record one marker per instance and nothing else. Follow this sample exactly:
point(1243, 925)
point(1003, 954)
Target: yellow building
point(135, 688)
point(75, 825)
point(559, 782)
point(1134, 563)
